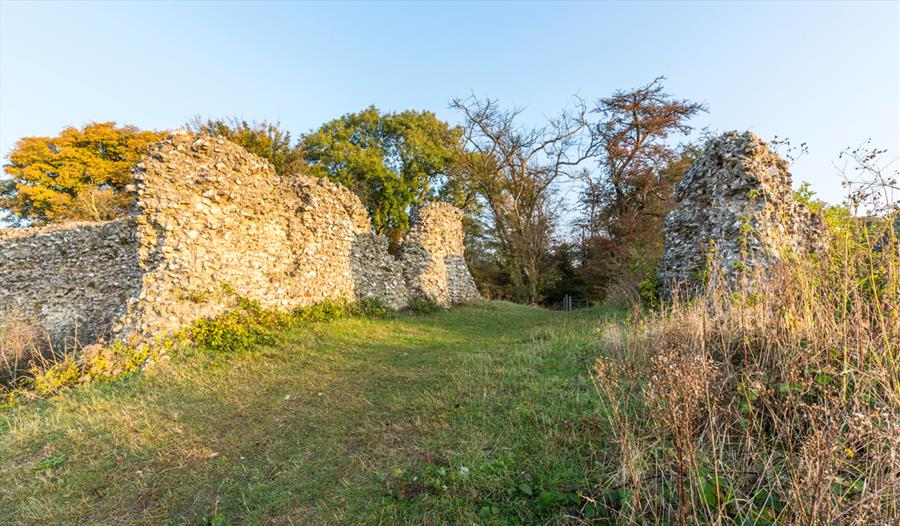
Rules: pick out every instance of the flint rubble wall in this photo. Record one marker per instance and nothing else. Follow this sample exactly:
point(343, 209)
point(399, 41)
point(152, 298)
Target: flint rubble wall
point(73, 279)
point(214, 223)
point(735, 212)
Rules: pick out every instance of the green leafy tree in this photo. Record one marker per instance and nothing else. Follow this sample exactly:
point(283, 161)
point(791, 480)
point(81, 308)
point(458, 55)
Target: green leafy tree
point(81, 174)
point(265, 139)
point(392, 161)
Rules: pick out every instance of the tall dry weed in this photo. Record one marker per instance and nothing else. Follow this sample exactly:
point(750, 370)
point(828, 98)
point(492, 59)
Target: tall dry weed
point(20, 347)
point(775, 401)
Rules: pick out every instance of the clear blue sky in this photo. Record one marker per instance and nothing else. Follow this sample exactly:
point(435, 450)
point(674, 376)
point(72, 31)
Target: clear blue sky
point(820, 72)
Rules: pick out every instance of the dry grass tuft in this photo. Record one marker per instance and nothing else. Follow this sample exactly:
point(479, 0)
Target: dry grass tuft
point(20, 347)
point(777, 402)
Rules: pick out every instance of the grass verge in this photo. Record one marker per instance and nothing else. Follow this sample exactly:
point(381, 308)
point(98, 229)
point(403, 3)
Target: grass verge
point(484, 414)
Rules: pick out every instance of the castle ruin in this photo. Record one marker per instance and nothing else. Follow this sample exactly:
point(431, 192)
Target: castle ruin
point(214, 223)
point(735, 211)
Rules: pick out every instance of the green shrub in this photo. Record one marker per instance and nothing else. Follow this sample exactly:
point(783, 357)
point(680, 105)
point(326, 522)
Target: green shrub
point(330, 310)
point(114, 361)
point(650, 291)
point(424, 307)
point(242, 328)
point(324, 311)
point(49, 381)
point(371, 308)
point(250, 325)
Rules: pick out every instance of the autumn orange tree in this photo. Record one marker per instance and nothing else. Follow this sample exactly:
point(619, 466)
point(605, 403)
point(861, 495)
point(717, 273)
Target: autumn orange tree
point(81, 174)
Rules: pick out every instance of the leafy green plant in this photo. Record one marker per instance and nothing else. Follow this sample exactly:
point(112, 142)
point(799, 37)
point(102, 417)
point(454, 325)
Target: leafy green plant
point(650, 291)
point(235, 330)
point(52, 462)
point(114, 361)
point(56, 377)
point(424, 307)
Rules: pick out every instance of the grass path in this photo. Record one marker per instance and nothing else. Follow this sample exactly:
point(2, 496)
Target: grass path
point(482, 415)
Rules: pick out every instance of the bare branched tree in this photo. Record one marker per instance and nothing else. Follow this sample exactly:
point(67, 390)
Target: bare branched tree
point(514, 169)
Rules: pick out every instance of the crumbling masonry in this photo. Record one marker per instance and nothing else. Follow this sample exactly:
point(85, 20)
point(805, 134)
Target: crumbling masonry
point(735, 212)
point(214, 223)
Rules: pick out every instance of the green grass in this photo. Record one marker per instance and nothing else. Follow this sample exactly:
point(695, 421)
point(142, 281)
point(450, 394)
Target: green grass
point(478, 415)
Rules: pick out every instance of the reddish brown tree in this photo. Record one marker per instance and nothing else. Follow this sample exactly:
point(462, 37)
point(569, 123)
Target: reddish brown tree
point(627, 197)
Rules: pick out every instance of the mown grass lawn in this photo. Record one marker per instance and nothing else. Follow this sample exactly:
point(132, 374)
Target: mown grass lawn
point(478, 415)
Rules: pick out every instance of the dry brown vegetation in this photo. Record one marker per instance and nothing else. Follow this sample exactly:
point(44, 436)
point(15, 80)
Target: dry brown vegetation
point(20, 344)
point(775, 402)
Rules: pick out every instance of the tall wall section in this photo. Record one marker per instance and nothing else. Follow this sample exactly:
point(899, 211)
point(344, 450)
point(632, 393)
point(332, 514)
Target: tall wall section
point(735, 210)
point(215, 223)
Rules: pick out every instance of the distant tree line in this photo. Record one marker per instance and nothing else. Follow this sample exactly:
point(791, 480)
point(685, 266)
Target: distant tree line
point(506, 176)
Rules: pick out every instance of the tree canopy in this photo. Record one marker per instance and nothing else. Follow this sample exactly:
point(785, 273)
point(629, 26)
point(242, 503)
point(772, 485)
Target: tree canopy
point(392, 161)
point(507, 174)
point(81, 174)
point(626, 198)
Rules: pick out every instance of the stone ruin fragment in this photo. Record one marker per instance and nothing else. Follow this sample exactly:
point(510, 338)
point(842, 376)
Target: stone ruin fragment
point(735, 212)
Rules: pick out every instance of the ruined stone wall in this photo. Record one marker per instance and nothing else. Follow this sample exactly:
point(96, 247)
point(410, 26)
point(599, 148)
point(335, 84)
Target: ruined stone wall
point(215, 223)
point(432, 255)
point(735, 210)
point(73, 280)
point(430, 265)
